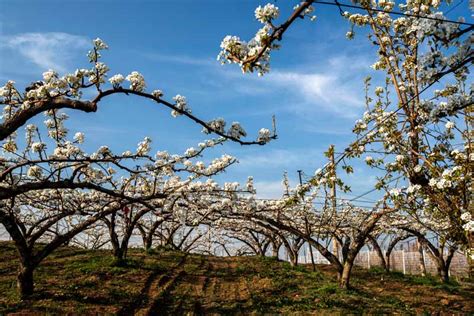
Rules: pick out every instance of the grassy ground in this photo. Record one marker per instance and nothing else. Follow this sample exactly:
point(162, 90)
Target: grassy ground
point(170, 283)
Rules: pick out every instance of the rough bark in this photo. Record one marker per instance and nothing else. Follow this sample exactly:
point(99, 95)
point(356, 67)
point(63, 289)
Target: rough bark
point(21, 117)
point(276, 249)
point(437, 255)
point(345, 275)
point(25, 283)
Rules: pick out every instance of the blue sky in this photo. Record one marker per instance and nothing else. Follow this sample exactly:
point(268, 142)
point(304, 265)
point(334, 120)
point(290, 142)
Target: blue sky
point(315, 88)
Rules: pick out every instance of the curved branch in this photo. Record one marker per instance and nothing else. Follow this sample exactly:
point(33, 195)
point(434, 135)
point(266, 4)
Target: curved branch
point(11, 124)
point(192, 117)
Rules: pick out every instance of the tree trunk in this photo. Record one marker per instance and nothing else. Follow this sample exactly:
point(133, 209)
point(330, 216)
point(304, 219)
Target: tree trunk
point(470, 254)
point(293, 257)
point(148, 243)
point(125, 250)
point(422, 259)
point(118, 254)
point(441, 266)
point(379, 251)
point(344, 281)
point(437, 254)
point(296, 259)
point(25, 283)
point(444, 273)
point(121, 248)
point(346, 274)
point(143, 235)
point(275, 249)
point(124, 245)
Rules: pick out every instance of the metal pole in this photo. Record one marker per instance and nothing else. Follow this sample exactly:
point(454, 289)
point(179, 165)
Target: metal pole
point(335, 244)
point(300, 172)
point(299, 175)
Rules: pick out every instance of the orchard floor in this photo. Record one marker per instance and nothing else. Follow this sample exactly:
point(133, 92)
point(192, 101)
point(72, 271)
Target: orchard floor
point(83, 282)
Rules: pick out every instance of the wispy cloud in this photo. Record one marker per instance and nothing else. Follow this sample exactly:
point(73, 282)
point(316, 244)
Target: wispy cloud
point(345, 62)
point(274, 159)
point(279, 159)
point(269, 189)
point(182, 59)
point(320, 91)
point(332, 87)
point(53, 50)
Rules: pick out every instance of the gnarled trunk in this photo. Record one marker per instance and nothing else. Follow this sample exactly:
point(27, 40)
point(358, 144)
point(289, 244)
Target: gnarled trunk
point(444, 273)
point(119, 254)
point(25, 282)
point(437, 255)
point(345, 275)
point(148, 243)
point(387, 266)
point(379, 251)
point(293, 257)
point(275, 249)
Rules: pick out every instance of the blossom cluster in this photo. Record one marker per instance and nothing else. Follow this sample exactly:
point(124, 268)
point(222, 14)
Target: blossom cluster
point(267, 13)
point(468, 222)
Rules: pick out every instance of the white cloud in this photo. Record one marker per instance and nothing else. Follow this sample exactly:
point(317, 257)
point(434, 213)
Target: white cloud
point(182, 59)
point(53, 50)
point(269, 189)
point(344, 62)
point(334, 86)
point(275, 162)
point(278, 158)
point(321, 91)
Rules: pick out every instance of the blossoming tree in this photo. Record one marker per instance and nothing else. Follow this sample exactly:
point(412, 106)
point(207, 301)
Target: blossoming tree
point(416, 118)
point(47, 179)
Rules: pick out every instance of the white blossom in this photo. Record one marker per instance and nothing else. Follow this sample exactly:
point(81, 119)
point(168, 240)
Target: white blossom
point(449, 125)
point(181, 104)
point(143, 147)
point(49, 75)
point(266, 13)
point(137, 81)
point(466, 216)
point(395, 192)
point(116, 80)
point(263, 135)
point(100, 44)
point(157, 93)
point(38, 147)
point(79, 137)
point(34, 172)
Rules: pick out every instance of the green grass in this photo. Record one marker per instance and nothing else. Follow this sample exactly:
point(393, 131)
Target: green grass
point(91, 282)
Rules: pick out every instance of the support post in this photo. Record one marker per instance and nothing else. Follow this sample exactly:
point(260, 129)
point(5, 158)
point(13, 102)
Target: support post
point(335, 244)
point(403, 261)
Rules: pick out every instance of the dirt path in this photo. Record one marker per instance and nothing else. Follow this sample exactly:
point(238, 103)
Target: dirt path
point(211, 287)
point(157, 286)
